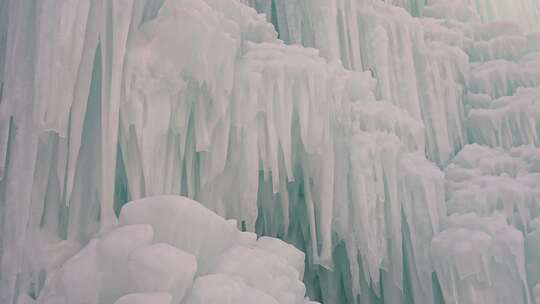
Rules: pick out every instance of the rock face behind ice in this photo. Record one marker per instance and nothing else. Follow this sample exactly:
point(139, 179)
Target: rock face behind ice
point(155, 257)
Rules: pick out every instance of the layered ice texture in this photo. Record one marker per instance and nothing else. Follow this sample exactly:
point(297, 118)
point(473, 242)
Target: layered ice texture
point(394, 143)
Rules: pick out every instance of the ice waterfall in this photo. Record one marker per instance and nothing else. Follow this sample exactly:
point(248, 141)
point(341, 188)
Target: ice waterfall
point(395, 143)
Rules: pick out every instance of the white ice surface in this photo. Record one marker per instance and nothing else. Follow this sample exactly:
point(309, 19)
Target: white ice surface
point(135, 264)
point(162, 268)
point(145, 298)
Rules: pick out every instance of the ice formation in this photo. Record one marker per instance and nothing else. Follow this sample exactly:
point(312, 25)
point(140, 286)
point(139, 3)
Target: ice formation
point(480, 260)
point(148, 260)
point(395, 143)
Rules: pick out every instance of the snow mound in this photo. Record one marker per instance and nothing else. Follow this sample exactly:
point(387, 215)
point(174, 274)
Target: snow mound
point(145, 298)
point(161, 252)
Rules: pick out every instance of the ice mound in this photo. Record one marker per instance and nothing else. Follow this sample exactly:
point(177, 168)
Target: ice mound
point(114, 250)
point(225, 289)
point(480, 260)
point(145, 298)
point(264, 271)
point(169, 217)
point(288, 252)
point(161, 252)
point(162, 268)
point(484, 180)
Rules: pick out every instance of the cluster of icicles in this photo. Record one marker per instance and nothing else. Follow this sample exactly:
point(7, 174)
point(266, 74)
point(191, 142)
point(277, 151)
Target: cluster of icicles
point(398, 152)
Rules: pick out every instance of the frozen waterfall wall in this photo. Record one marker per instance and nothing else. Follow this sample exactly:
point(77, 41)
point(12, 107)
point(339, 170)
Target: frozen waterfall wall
point(342, 126)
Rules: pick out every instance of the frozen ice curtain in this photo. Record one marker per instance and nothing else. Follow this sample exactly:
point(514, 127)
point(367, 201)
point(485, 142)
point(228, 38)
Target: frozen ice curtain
point(269, 151)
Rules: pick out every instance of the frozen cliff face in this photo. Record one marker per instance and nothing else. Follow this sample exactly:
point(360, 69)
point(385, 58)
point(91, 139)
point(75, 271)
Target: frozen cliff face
point(395, 143)
point(411, 72)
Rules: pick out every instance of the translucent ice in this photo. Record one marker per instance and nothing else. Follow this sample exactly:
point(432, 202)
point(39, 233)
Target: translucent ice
point(162, 268)
point(145, 298)
point(225, 289)
point(264, 271)
point(291, 254)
